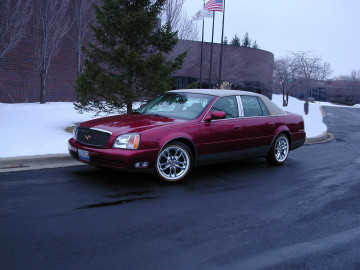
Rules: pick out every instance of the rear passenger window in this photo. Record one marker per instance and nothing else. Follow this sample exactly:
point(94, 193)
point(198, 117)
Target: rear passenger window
point(263, 107)
point(253, 106)
point(228, 105)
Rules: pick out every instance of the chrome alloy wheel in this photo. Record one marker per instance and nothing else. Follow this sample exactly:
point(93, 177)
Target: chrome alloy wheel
point(173, 163)
point(281, 149)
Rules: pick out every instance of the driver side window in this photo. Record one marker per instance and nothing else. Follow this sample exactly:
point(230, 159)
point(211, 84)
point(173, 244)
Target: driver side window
point(228, 105)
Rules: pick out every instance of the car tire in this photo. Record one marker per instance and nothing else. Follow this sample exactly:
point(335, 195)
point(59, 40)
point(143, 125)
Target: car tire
point(174, 162)
point(279, 150)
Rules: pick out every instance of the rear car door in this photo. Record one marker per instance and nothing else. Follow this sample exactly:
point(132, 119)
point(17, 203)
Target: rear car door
point(257, 126)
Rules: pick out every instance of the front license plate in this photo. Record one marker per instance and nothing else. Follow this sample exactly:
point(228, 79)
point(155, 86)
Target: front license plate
point(84, 155)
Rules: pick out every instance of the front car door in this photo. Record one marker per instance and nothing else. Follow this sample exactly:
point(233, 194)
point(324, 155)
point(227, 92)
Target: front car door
point(220, 138)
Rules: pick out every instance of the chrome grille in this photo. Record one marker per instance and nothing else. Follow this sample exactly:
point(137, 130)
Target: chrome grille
point(92, 137)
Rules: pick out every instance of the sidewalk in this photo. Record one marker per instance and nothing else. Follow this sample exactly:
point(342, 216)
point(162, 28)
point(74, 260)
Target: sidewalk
point(16, 164)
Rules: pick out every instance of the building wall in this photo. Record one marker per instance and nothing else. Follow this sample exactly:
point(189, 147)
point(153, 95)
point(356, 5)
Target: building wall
point(343, 92)
point(239, 65)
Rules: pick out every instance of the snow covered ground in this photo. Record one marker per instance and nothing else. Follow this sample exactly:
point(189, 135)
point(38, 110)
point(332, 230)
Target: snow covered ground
point(34, 129)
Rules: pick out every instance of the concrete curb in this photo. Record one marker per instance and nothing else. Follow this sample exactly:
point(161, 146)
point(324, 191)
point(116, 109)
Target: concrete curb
point(15, 164)
point(323, 138)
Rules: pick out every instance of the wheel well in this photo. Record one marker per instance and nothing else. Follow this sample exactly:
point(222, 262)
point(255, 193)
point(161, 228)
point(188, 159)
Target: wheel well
point(188, 143)
point(287, 135)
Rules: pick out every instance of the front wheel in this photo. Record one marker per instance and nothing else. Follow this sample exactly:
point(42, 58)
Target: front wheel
point(174, 162)
point(279, 150)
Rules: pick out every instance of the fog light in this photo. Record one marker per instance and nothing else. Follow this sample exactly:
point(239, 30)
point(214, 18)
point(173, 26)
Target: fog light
point(140, 165)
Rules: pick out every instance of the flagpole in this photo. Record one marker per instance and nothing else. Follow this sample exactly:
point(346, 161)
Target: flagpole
point(222, 44)
point(211, 50)
point(202, 49)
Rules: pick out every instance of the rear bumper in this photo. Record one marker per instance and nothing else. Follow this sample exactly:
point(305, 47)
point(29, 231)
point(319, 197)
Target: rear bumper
point(297, 139)
point(114, 158)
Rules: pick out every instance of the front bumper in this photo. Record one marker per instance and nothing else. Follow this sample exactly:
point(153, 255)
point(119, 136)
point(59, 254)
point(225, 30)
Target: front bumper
point(114, 158)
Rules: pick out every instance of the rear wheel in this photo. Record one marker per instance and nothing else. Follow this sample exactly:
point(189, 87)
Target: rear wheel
point(174, 162)
point(279, 150)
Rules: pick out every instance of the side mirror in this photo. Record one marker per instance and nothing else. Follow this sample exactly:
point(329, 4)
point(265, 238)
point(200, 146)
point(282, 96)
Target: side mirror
point(215, 115)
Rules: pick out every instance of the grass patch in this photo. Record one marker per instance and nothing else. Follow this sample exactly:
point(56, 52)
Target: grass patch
point(70, 129)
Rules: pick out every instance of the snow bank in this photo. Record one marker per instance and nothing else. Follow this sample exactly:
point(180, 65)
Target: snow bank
point(329, 104)
point(29, 129)
point(314, 125)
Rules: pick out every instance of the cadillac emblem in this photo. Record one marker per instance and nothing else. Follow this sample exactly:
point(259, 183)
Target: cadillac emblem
point(88, 137)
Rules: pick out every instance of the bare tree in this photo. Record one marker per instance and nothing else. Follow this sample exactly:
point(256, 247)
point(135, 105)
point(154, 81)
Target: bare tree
point(355, 75)
point(84, 17)
point(14, 17)
point(324, 71)
point(355, 84)
point(351, 84)
point(310, 68)
point(285, 76)
point(54, 22)
point(175, 15)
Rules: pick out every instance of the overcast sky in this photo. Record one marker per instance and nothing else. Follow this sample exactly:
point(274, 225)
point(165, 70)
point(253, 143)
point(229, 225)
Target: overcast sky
point(328, 28)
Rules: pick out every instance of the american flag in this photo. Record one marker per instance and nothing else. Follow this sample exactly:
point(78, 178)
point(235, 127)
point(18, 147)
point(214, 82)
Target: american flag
point(214, 5)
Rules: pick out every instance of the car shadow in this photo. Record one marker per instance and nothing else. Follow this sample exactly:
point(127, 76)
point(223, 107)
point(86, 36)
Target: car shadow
point(201, 175)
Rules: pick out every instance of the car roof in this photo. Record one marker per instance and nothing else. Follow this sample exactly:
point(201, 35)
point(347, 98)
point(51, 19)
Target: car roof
point(216, 92)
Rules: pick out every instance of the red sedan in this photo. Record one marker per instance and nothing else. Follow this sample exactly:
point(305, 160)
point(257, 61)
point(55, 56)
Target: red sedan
point(184, 128)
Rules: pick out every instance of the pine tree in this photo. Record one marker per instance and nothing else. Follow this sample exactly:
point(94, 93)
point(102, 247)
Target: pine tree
point(255, 45)
point(246, 42)
point(225, 40)
point(129, 59)
point(235, 41)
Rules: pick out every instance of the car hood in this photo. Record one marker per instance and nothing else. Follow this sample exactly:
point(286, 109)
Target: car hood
point(130, 123)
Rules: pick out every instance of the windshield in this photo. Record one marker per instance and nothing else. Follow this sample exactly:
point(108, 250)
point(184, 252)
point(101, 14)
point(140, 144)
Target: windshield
point(177, 105)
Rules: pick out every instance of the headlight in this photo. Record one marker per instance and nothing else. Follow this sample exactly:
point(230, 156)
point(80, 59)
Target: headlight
point(75, 131)
point(127, 141)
